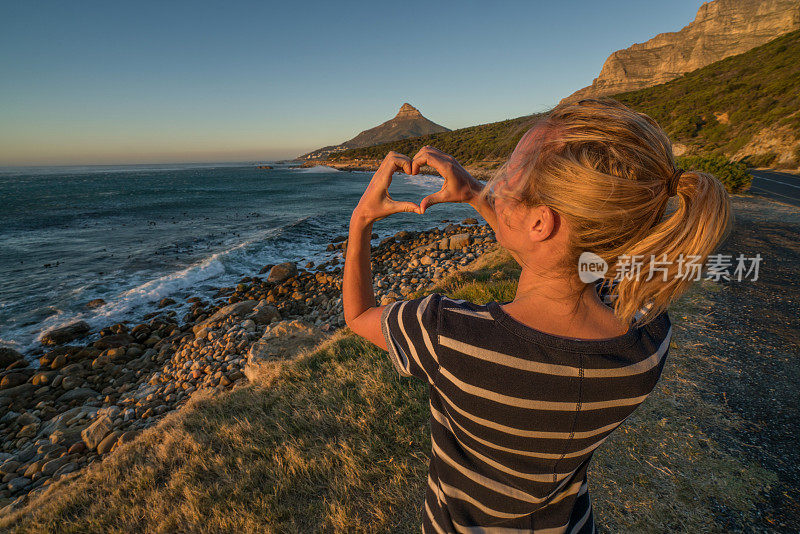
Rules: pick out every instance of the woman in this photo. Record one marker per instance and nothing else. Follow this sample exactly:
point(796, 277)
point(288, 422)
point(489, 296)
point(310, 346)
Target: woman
point(522, 393)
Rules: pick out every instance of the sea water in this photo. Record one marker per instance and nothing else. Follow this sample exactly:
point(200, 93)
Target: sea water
point(132, 235)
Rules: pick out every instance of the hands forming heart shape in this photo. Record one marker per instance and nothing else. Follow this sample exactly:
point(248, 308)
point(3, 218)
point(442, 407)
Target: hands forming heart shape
point(459, 185)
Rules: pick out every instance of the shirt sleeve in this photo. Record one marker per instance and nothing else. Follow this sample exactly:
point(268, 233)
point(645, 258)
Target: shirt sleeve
point(411, 331)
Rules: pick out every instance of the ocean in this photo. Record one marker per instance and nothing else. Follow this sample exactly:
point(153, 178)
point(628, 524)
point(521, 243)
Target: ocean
point(132, 235)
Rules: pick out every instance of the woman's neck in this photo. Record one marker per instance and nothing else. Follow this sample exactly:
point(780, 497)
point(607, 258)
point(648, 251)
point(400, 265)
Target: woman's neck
point(562, 306)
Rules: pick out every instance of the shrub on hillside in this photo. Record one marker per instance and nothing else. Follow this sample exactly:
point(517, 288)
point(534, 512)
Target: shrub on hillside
point(760, 160)
point(733, 175)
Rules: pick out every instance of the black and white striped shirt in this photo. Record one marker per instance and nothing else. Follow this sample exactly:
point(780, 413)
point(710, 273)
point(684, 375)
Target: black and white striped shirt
point(516, 413)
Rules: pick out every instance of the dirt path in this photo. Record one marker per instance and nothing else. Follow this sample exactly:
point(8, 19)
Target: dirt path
point(754, 329)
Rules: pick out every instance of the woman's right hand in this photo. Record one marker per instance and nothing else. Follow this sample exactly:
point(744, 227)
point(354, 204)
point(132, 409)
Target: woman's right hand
point(459, 185)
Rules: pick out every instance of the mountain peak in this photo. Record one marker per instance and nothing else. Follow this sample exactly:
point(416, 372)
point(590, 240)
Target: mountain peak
point(408, 122)
point(408, 111)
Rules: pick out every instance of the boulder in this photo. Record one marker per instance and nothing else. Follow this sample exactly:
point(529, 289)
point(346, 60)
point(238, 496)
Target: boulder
point(166, 302)
point(68, 467)
point(77, 448)
point(47, 359)
point(94, 434)
point(113, 341)
point(8, 356)
point(77, 394)
point(13, 379)
point(470, 221)
point(282, 272)
point(71, 382)
point(128, 436)
point(281, 340)
point(28, 431)
point(59, 361)
point(59, 422)
point(20, 392)
point(9, 466)
point(27, 418)
point(403, 236)
point(105, 446)
point(459, 241)
point(50, 467)
point(18, 484)
point(65, 334)
point(67, 437)
point(32, 469)
point(265, 313)
point(237, 309)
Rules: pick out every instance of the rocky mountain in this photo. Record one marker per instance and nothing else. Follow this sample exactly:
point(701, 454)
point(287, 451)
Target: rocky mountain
point(722, 28)
point(745, 106)
point(408, 122)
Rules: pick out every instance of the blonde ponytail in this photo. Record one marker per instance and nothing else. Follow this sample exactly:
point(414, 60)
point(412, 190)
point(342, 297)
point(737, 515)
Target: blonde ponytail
point(685, 238)
point(610, 172)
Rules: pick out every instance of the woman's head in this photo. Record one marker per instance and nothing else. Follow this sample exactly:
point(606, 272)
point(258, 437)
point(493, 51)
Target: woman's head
point(596, 176)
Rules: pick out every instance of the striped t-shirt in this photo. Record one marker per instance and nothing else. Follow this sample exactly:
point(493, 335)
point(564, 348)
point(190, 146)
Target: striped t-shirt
point(516, 413)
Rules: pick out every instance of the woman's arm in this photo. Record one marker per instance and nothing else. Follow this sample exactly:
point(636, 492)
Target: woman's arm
point(459, 185)
point(358, 298)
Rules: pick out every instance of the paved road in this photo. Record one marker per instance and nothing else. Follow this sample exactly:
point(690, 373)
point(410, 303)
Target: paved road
point(780, 186)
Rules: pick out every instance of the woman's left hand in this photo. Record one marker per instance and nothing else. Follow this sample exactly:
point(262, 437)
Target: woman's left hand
point(375, 203)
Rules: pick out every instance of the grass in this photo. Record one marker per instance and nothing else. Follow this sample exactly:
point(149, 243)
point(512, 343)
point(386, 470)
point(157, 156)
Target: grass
point(334, 441)
point(662, 471)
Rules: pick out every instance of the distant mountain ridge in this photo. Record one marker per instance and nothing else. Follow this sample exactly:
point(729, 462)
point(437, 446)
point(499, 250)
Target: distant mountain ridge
point(742, 106)
point(408, 122)
point(722, 28)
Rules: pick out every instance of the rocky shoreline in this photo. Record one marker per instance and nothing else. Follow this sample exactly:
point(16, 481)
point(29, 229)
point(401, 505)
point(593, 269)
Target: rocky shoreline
point(87, 397)
point(484, 171)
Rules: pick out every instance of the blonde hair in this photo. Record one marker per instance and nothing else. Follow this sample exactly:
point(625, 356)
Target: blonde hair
point(610, 171)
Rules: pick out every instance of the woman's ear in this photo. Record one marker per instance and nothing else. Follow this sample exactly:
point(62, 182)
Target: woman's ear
point(543, 223)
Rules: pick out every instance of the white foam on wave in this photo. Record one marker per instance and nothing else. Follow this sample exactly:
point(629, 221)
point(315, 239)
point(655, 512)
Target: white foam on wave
point(426, 181)
point(121, 306)
point(216, 270)
point(317, 169)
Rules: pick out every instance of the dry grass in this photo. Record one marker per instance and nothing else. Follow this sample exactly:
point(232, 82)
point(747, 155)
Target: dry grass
point(335, 441)
point(662, 471)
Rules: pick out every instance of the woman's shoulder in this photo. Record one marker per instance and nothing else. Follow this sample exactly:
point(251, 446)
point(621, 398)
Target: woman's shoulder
point(461, 307)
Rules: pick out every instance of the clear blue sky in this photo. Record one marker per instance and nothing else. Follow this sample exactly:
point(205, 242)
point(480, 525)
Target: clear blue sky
point(125, 82)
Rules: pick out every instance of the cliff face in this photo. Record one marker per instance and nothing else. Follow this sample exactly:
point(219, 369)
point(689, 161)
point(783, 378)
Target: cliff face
point(408, 122)
point(721, 28)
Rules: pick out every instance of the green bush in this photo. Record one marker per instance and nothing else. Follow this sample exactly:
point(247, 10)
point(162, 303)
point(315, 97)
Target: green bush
point(733, 175)
point(760, 160)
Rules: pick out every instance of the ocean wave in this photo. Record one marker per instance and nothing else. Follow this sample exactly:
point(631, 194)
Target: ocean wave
point(427, 181)
point(317, 169)
point(222, 268)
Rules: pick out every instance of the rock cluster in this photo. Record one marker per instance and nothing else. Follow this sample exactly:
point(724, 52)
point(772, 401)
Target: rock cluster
point(83, 401)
